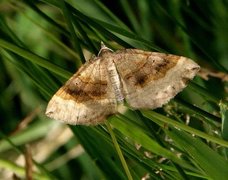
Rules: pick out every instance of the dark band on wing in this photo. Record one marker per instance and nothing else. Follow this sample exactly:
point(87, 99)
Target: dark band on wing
point(90, 91)
point(151, 71)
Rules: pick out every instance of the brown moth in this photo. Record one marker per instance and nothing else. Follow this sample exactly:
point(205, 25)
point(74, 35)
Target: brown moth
point(146, 80)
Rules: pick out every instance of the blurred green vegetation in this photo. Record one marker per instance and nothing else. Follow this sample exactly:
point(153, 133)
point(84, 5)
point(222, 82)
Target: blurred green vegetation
point(42, 43)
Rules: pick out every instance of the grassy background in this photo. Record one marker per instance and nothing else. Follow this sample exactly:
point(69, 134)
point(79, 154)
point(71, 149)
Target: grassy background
point(43, 43)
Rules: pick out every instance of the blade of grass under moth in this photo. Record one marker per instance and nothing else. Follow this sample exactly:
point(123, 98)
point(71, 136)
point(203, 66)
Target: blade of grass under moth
point(124, 164)
point(156, 116)
point(204, 156)
point(139, 136)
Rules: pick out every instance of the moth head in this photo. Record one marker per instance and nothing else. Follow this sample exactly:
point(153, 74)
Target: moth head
point(104, 49)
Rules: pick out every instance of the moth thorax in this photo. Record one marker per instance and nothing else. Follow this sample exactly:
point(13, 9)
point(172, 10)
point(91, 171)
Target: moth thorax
point(115, 81)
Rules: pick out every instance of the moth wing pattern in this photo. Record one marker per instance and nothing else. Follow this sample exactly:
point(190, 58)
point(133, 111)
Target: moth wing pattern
point(151, 79)
point(87, 98)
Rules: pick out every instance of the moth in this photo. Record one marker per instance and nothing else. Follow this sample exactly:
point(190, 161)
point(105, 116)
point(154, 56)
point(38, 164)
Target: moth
point(145, 80)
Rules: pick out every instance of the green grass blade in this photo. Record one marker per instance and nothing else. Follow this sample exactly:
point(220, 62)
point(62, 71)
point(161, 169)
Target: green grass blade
point(212, 164)
point(35, 58)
